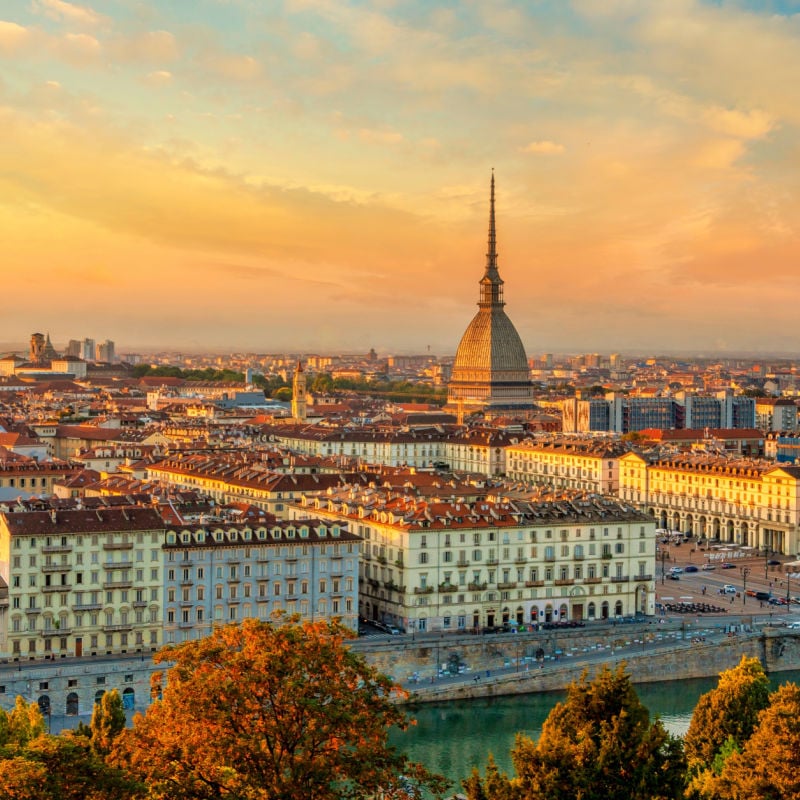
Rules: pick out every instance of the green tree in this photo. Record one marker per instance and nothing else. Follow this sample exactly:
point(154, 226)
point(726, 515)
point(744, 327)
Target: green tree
point(599, 744)
point(284, 393)
point(108, 721)
point(730, 711)
point(22, 724)
point(269, 711)
point(768, 768)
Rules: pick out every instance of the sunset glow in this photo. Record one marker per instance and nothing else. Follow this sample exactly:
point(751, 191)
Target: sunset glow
point(314, 174)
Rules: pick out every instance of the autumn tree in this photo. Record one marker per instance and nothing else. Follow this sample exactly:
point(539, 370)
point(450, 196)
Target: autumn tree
point(270, 711)
point(599, 744)
point(727, 713)
point(495, 785)
point(768, 767)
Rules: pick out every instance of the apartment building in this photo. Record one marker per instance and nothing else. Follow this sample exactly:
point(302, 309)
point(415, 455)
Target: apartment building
point(442, 564)
point(750, 502)
point(591, 465)
point(224, 572)
point(81, 582)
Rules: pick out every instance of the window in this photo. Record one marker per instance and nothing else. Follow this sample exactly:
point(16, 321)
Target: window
point(423, 558)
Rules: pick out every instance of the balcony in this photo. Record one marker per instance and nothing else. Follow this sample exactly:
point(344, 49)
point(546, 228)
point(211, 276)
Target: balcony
point(423, 590)
point(462, 563)
point(564, 581)
point(393, 587)
point(138, 604)
point(578, 556)
point(592, 580)
point(126, 626)
point(448, 588)
point(476, 587)
point(643, 578)
point(607, 556)
point(87, 606)
point(520, 560)
point(117, 545)
point(56, 567)
point(57, 548)
point(620, 579)
point(549, 558)
point(63, 587)
point(117, 584)
point(117, 565)
point(507, 585)
point(492, 561)
point(531, 584)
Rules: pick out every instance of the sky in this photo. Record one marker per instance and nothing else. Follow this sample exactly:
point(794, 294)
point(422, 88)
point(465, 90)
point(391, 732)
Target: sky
point(313, 175)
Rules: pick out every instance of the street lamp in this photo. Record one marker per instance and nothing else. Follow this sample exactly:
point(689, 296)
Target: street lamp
point(745, 572)
point(663, 558)
point(766, 562)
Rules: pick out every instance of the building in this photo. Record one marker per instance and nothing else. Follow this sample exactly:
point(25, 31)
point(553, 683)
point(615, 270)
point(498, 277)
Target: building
point(104, 352)
point(776, 414)
point(219, 573)
point(591, 465)
point(81, 582)
point(747, 502)
point(441, 564)
point(490, 373)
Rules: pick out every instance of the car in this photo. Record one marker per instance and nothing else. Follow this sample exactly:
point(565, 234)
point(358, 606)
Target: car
point(777, 601)
point(762, 595)
point(673, 576)
point(691, 568)
point(729, 588)
point(774, 562)
point(794, 625)
point(708, 567)
point(676, 570)
point(727, 565)
point(391, 629)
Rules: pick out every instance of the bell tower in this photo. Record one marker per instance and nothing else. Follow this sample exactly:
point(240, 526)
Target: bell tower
point(299, 393)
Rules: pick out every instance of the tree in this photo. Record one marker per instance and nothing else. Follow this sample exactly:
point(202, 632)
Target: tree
point(768, 768)
point(108, 721)
point(21, 725)
point(730, 711)
point(269, 711)
point(495, 786)
point(599, 744)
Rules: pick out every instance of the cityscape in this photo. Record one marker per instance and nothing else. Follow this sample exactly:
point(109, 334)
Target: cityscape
point(369, 362)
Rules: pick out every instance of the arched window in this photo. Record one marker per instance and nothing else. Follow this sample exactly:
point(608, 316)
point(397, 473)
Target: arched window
point(72, 704)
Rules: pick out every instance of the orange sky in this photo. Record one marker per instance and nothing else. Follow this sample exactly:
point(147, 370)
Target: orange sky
point(312, 175)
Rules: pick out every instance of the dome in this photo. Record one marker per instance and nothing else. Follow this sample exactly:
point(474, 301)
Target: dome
point(491, 346)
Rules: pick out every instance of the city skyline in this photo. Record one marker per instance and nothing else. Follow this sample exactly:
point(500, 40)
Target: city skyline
point(313, 176)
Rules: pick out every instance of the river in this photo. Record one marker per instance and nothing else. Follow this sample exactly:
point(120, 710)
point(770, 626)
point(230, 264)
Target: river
point(452, 738)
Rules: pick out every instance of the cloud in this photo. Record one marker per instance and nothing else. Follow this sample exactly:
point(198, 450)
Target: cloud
point(158, 78)
point(13, 37)
point(156, 47)
point(79, 49)
point(238, 68)
point(744, 124)
point(70, 13)
point(543, 147)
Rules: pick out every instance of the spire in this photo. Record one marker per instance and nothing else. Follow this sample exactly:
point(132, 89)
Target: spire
point(491, 256)
point(491, 283)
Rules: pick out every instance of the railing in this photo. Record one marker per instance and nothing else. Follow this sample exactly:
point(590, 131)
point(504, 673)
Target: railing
point(529, 584)
point(592, 580)
point(88, 606)
point(462, 563)
point(643, 578)
point(57, 548)
point(117, 584)
point(507, 585)
point(126, 626)
point(448, 587)
point(564, 581)
point(56, 567)
point(423, 590)
point(620, 579)
point(64, 587)
point(476, 587)
point(117, 545)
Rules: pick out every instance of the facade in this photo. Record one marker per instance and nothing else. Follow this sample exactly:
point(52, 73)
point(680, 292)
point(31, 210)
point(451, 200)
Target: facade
point(747, 502)
point(445, 564)
point(623, 414)
point(591, 465)
point(776, 414)
point(223, 573)
point(81, 582)
point(490, 373)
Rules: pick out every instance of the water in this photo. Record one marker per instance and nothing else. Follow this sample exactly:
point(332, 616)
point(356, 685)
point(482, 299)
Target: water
point(453, 738)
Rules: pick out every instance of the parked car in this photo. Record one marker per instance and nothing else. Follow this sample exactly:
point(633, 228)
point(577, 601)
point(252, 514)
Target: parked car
point(691, 568)
point(729, 588)
point(708, 567)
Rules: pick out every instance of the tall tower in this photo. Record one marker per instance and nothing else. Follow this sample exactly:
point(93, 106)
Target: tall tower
point(490, 372)
point(299, 393)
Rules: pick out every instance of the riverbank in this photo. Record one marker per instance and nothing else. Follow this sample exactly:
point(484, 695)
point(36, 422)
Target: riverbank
point(446, 670)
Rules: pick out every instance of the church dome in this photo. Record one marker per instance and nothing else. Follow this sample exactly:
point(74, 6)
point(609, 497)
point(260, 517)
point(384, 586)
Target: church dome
point(490, 369)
